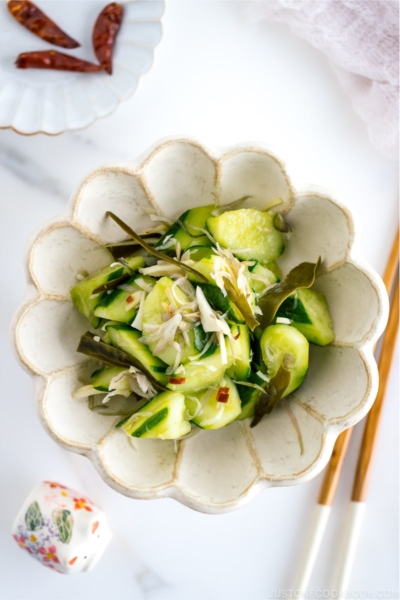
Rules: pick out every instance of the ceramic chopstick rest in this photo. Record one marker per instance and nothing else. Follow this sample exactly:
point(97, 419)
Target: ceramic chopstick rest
point(61, 528)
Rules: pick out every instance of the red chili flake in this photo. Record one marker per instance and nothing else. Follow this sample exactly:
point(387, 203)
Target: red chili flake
point(177, 380)
point(52, 59)
point(237, 336)
point(95, 526)
point(31, 17)
point(54, 484)
point(223, 394)
point(104, 33)
point(71, 562)
point(129, 299)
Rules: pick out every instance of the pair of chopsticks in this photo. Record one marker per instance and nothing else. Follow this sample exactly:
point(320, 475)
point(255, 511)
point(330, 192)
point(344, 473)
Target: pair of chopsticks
point(330, 483)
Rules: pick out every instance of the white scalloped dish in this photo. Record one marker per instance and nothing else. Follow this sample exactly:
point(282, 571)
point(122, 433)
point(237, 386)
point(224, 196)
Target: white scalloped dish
point(51, 102)
point(214, 471)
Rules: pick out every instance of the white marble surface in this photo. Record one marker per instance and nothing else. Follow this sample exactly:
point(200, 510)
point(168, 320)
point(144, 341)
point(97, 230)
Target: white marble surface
point(224, 79)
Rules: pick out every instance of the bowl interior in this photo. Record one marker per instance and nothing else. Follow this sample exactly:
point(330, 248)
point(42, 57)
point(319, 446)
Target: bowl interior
point(218, 470)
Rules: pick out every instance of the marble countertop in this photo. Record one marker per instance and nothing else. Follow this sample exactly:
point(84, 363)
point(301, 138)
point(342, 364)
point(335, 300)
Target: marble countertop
point(224, 78)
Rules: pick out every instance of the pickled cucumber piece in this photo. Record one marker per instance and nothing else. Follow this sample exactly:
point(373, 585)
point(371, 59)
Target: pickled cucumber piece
point(272, 266)
point(261, 278)
point(212, 413)
point(188, 236)
point(242, 354)
point(249, 396)
point(207, 266)
point(218, 301)
point(82, 293)
point(278, 341)
point(122, 305)
point(102, 378)
point(153, 309)
point(162, 418)
point(249, 233)
point(196, 253)
point(201, 374)
point(309, 313)
point(127, 339)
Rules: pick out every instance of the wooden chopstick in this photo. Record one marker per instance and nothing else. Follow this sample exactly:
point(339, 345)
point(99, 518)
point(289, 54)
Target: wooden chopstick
point(368, 444)
point(356, 510)
point(334, 468)
point(392, 266)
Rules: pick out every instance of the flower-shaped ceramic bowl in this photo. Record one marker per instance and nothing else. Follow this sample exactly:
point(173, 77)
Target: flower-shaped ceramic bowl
point(214, 471)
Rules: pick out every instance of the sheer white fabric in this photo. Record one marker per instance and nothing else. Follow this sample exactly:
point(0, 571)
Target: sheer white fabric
point(361, 41)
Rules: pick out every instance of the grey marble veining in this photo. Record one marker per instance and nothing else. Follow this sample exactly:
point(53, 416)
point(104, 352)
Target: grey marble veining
point(29, 170)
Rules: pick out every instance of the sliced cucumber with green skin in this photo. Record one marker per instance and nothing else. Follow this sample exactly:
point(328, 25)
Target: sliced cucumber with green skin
point(127, 339)
point(309, 313)
point(187, 236)
point(82, 292)
point(275, 269)
point(206, 266)
point(249, 233)
point(199, 252)
point(260, 286)
point(278, 340)
point(249, 396)
point(121, 305)
point(115, 307)
point(152, 314)
point(257, 362)
point(218, 301)
point(106, 338)
point(161, 418)
point(101, 378)
point(199, 338)
point(213, 264)
point(214, 414)
point(200, 376)
point(240, 368)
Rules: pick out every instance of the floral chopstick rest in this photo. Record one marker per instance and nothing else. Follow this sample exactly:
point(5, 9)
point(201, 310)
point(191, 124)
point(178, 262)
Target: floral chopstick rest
point(61, 528)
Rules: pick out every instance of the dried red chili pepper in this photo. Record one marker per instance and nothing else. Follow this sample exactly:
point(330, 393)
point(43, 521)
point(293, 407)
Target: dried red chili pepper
point(223, 394)
point(104, 33)
point(51, 59)
point(31, 17)
point(177, 380)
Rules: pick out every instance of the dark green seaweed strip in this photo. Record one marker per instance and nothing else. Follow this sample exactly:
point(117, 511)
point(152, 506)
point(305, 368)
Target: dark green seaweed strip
point(111, 285)
point(116, 406)
point(240, 300)
point(302, 276)
point(112, 356)
point(151, 250)
point(127, 248)
point(274, 391)
point(281, 224)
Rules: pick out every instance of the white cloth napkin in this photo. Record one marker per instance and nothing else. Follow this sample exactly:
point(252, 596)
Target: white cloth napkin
point(361, 40)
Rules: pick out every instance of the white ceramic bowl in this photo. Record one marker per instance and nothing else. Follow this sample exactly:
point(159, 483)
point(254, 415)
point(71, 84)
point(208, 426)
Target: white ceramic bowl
point(221, 470)
point(33, 101)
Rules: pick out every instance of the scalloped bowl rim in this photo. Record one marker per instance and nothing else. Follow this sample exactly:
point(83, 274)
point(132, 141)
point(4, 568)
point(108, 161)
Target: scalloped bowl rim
point(330, 431)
